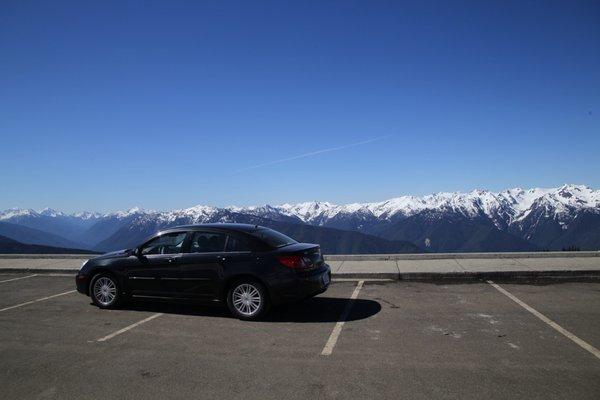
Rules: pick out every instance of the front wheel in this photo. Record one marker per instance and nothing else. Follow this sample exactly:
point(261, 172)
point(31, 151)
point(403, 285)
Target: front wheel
point(248, 300)
point(105, 291)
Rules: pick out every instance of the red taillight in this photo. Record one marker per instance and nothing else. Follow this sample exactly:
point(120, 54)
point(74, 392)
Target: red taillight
point(292, 261)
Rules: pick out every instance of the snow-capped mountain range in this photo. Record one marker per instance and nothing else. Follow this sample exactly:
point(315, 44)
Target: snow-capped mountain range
point(513, 204)
point(513, 219)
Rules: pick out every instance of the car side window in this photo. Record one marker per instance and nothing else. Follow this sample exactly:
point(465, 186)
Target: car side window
point(236, 244)
point(171, 243)
point(208, 242)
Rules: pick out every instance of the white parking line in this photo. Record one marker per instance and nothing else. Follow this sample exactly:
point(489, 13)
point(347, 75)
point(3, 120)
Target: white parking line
point(16, 279)
point(548, 321)
point(337, 329)
point(37, 300)
point(112, 335)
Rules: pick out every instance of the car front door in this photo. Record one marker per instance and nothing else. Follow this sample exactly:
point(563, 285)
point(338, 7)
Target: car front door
point(201, 266)
point(156, 272)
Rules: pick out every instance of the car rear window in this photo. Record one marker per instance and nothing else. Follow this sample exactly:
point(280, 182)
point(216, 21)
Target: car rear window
point(273, 238)
point(236, 245)
point(207, 242)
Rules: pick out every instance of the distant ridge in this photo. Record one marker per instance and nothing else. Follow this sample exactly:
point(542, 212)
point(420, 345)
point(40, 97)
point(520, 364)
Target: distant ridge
point(45, 237)
point(10, 246)
point(480, 220)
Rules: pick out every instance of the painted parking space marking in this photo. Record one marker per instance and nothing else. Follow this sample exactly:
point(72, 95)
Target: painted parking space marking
point(128, 328)
point(581, 343)
point(19, 278)
point(37, 300)
point(337, 329)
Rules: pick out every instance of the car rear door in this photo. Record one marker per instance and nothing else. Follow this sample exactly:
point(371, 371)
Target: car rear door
point(201, 266)
point(156, 272)
point(241, 256)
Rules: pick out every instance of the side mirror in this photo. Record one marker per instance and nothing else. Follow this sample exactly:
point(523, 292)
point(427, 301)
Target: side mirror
point(136, 252)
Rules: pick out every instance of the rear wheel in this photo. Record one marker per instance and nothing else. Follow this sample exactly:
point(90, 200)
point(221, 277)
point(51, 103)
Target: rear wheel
point(248, 300)
point(105, 291)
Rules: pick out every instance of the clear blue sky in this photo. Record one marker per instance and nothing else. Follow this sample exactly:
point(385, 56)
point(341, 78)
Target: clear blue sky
point(107, 105)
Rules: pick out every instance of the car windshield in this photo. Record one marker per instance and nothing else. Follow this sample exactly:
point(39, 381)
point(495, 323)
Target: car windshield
point(273, 238)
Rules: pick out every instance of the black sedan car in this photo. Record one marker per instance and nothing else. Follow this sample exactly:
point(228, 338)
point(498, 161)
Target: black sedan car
point(249, 267)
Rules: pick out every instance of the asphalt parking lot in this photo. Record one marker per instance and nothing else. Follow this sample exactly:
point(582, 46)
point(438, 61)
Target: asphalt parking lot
point(394, 340)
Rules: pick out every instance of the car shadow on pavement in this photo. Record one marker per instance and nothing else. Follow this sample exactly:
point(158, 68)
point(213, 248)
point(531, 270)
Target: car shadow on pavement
point(323, 309)
point(316, 309)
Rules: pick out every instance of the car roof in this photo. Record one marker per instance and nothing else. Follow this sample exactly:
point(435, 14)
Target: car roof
point(221, 226)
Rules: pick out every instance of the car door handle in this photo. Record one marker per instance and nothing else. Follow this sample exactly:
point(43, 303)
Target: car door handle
point(172, 260)
point(221, 259)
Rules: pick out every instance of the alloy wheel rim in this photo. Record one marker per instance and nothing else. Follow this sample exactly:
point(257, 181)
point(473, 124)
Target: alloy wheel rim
point(105, 291)
point(246, 299)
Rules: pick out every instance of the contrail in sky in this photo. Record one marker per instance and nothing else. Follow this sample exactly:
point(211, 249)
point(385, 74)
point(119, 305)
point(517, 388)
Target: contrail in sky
point(314, 153)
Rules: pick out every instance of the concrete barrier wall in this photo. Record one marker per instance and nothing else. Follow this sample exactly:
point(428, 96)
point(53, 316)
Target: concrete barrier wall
point(388, 266)
point(373, 257)
point(446, 256)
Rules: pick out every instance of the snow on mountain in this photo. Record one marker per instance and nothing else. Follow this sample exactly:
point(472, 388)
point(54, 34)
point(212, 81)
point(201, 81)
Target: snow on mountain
point(128, 213)
point(87, 215)
point(514, 204)
point(50, 212)
point(16, 212)
point(559, 203)
point(506, 207)
point(46, 212)
point(197, 214)
point(310, 211)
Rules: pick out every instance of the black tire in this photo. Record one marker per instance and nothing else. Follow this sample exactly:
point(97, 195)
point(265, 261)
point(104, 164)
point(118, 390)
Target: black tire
point(105, 291)
point(243, 307)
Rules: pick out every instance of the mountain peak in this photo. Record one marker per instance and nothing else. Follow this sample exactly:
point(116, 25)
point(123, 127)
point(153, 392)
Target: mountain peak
point(17, 212)
point(50, 212)
point(86, 215)
point(128, 213)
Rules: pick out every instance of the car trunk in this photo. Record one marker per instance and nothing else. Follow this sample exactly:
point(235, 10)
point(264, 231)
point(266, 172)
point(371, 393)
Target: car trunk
point(310, 253)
